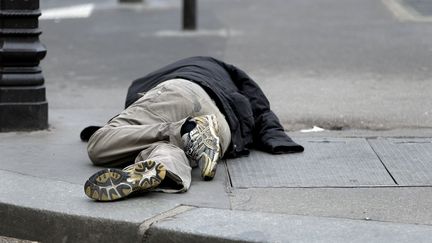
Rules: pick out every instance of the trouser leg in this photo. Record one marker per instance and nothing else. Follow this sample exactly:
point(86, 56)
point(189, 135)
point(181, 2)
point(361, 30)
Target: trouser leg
point(117, 145)
point(155, 117)
point(194, 102)
point(175, 162)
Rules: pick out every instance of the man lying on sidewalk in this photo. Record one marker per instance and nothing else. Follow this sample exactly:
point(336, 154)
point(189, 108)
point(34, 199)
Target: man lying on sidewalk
point(192, 112)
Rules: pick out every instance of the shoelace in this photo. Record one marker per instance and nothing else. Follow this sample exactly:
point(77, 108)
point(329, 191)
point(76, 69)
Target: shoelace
point(199, 139)
point(192, 147)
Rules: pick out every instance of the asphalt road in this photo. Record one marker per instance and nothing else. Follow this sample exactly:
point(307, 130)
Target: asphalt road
point(337, 64)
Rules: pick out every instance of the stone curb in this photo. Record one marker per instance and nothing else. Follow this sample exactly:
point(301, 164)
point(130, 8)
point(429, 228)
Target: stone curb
point(219, 225)
point(62, 215)
point(49, 226)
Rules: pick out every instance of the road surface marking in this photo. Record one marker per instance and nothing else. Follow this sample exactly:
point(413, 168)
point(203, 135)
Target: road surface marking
point(71, 12)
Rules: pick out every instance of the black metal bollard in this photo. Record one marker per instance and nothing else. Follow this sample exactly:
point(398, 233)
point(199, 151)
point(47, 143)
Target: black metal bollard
point(189, 14)
point(23, 104)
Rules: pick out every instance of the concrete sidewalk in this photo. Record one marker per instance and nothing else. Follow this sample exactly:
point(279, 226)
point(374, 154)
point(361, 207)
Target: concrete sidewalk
point(344, 65)
point(346, 186)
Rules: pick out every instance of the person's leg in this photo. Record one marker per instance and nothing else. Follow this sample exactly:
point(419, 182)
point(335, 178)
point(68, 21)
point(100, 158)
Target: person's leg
point(157, 116)
point(119, 145)
point(195, 102)
point(135, 128)
point(160, 167)
point(208, 136)
point(177, 165)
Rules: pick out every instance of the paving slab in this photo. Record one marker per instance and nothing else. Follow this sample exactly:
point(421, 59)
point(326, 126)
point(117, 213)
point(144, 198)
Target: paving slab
point(394, 204)
point(408, 160)
point(215, 225)
point(325, 162)
point(57, 153)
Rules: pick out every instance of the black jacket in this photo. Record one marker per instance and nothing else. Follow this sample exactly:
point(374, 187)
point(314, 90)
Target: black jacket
point(239, 98)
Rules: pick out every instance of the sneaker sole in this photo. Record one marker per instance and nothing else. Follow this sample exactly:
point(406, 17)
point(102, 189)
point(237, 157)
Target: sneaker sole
point(114, 184)
point(209, 169)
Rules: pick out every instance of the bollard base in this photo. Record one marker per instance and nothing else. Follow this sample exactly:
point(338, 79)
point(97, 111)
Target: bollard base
point(23, 108)
point(23, 116)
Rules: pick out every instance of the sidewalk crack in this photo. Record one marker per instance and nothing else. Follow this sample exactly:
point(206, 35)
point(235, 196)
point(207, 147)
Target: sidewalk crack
point(382, 162)
point(145, 226)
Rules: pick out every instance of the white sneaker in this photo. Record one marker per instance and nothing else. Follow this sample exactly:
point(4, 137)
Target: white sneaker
point(202, 144)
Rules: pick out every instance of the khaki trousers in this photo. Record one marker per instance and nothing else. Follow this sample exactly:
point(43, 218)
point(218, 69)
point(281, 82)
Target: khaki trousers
point(149, 129)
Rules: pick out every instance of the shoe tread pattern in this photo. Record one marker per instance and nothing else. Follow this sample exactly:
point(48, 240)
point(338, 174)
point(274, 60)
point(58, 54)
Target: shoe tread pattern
point(114, 184)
